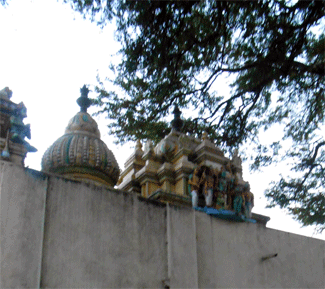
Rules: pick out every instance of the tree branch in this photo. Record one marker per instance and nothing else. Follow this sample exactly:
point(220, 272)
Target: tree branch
point(311, 164)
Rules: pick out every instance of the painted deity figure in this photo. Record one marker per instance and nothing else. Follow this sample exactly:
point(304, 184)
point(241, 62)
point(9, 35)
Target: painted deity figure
point(5, 93)
point(5, 105)
point(238, 200)
point(249, 202)
point(201, 186)
point(243, 201)
point(227, 184)
point(194, 184)
point(236, 160)
point(5, 154)
point(221, 189)
point(219, 195)
point(208, 181)
point(18, 130)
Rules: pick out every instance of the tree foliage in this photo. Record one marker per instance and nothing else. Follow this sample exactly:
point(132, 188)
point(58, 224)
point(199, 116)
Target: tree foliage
point(179, 52)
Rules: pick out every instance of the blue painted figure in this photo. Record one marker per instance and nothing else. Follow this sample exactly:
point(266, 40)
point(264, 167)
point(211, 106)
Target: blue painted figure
point(18, 130)
point(238, 202)
point(5, 154)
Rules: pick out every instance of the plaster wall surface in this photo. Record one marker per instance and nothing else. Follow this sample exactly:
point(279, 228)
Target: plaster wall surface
point(230, 256)
point(96, 238)
point(182, 262)
point(57, 233)
point(22, 203)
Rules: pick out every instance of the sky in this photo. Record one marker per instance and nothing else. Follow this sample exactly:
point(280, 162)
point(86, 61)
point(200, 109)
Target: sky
point(48, 52)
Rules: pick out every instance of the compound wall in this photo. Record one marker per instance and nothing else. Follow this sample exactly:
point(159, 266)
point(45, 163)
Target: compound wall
point(57, 233)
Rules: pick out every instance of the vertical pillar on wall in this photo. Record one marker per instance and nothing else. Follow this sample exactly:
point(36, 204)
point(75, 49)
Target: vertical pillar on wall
point(166, 186)
point(196, 285)
point(43, 228)
point(185, 186)
point(21, 239)
point(146, 191)
point(182, 264)
point(169, 259)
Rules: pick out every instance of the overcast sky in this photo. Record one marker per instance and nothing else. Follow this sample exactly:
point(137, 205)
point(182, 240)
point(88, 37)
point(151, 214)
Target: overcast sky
point(48, 53)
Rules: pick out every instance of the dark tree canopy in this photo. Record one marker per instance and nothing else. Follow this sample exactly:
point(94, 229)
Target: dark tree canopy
point(179, 52)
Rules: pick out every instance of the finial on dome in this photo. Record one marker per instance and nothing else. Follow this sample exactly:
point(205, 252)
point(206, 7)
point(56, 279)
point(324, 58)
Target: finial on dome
point(83, 101)
point(177, 122)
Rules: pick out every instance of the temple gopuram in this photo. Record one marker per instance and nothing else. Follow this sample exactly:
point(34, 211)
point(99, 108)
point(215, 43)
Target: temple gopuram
point(185, 170)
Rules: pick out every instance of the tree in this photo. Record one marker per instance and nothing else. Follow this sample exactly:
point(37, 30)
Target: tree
point(176, 52)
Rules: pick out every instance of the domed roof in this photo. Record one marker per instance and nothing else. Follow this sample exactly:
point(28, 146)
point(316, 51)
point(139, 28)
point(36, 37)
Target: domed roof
point(80, 153)
point(83, 123)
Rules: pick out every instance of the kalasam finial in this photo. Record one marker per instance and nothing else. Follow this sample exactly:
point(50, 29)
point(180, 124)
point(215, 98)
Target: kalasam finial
point(177, 122)
point(83, 101)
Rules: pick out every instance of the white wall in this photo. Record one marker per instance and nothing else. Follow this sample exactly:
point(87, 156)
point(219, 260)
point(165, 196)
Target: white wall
point(22, 200)
point(100, 239)
point(57, 233)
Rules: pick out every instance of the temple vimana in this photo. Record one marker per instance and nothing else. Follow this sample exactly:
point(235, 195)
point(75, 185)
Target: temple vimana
point(185, 170)
point(178, 216)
